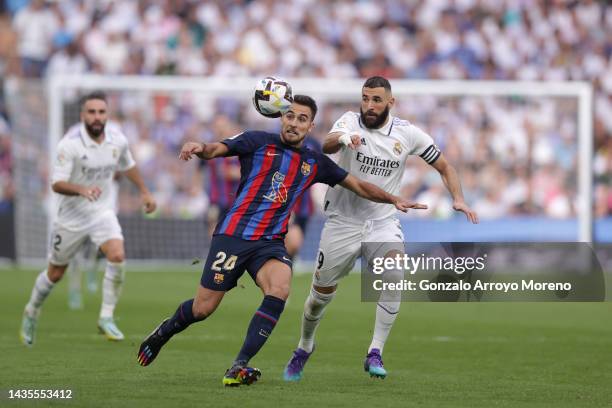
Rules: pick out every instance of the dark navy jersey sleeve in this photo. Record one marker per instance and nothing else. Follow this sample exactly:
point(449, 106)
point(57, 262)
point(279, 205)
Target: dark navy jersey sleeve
point(243, 143)
point(329, 172)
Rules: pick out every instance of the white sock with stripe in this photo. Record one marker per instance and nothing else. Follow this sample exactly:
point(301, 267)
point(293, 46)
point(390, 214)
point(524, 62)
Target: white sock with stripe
point(40, 291)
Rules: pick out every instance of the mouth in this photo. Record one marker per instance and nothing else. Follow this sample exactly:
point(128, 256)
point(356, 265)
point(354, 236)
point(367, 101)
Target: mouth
point(291, 132)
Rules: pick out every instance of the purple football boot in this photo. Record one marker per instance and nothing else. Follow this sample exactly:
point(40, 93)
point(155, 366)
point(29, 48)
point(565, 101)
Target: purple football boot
point(295, 366)
point(373, 364)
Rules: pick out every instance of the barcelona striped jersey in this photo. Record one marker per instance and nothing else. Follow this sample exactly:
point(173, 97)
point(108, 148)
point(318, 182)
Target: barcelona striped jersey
point(304, 206)
point(273, 177)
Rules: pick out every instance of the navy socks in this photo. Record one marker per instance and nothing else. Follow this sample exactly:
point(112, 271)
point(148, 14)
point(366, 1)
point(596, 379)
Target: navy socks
point(183, 317)
point(260, 328)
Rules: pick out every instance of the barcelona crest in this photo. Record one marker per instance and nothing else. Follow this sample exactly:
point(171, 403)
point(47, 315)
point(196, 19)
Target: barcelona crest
point(305, 168)
point(218, 278)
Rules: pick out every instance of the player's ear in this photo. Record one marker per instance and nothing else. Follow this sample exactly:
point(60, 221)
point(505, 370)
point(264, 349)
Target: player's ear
point(391, 102)
point(311, 127)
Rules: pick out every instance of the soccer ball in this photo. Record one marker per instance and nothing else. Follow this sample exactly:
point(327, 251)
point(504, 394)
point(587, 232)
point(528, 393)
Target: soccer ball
point(272, 97)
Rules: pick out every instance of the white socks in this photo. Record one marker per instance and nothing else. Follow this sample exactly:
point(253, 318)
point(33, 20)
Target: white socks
point(313, 311)
point(111, 287)
point(386, 312)
point(40, 291)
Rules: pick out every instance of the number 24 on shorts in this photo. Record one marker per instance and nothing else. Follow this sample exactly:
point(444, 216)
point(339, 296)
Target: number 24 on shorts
point(223, 262)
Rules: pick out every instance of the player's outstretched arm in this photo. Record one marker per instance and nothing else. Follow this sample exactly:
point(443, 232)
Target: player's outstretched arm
point(204, 151)
point(453, 185)
point(133, 174)
point(373, 193)
point(92, 193)
point(335, 141)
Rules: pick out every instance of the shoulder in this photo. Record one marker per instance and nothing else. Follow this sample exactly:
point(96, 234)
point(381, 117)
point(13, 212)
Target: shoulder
point(401, 123)
point(116, 135)
point(408, 131)
point(312, 144)
point(349, 119)
point(71, 139)
point(317, 156)
point(260, 137)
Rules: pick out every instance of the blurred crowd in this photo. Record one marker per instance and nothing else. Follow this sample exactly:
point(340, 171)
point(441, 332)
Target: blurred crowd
point(514, 156)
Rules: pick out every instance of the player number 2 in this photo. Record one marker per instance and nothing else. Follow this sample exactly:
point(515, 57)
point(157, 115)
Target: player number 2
point(57, 241)
point(228, 265)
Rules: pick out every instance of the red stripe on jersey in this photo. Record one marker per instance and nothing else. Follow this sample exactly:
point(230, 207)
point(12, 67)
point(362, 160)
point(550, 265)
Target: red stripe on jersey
point(265, 221)
point(313, 172)
point(248, 199)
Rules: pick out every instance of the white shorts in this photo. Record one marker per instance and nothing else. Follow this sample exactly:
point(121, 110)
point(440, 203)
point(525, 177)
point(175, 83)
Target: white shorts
point(65, 243)
point(341, 241)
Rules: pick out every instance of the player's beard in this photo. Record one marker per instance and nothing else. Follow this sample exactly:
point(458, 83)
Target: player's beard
point(95, 129)
point(377, 122)
point(295, 140)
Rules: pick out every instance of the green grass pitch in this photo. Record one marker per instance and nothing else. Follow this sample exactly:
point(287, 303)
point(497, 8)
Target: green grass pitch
point(438, 355)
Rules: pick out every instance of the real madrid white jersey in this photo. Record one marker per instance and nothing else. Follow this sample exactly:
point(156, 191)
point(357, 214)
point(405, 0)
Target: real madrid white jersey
point(380, 160)
point(80, 160)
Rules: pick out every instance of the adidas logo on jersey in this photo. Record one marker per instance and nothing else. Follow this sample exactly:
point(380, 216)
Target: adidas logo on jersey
point(84, 157)
point(363, 141)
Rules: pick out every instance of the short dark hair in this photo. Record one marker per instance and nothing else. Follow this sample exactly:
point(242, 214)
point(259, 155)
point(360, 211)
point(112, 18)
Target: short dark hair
point(306, 101)
point(377, 82)
point(93, 95)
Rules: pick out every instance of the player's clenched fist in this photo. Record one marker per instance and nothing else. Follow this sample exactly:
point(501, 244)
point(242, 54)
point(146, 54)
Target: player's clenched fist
point(352, 140)
point(148, 202)
point(91, 193)
point(189, 149)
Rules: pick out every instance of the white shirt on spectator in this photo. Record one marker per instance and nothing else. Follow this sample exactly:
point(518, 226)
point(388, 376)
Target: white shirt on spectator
point(35, 29)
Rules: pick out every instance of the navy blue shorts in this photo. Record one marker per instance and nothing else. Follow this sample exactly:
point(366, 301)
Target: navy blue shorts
point(229, 257)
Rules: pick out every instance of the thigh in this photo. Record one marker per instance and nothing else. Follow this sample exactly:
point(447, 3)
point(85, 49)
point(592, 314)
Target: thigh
point(274, 278)
point(225, 263)
point(385, 239)
point(265, 251)
point(64, 245)
point(105, 229)
point(339, 248)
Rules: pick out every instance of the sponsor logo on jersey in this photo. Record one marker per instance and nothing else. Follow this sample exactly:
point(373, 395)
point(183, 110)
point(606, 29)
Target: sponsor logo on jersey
point(305, 168)
point(397, 149)
point(377, 161)
point(218, 278)
point(278, 191)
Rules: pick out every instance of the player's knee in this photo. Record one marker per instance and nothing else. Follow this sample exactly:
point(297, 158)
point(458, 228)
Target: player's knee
point(279, 290)
point(55, 272)
point(116, 257)
point(203, 308)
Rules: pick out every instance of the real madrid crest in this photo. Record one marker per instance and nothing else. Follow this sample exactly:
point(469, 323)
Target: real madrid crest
point(397, 149)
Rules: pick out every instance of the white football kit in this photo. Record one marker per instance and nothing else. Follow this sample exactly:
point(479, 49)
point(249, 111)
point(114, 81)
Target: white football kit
point(380, 160)
point(80, 160)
